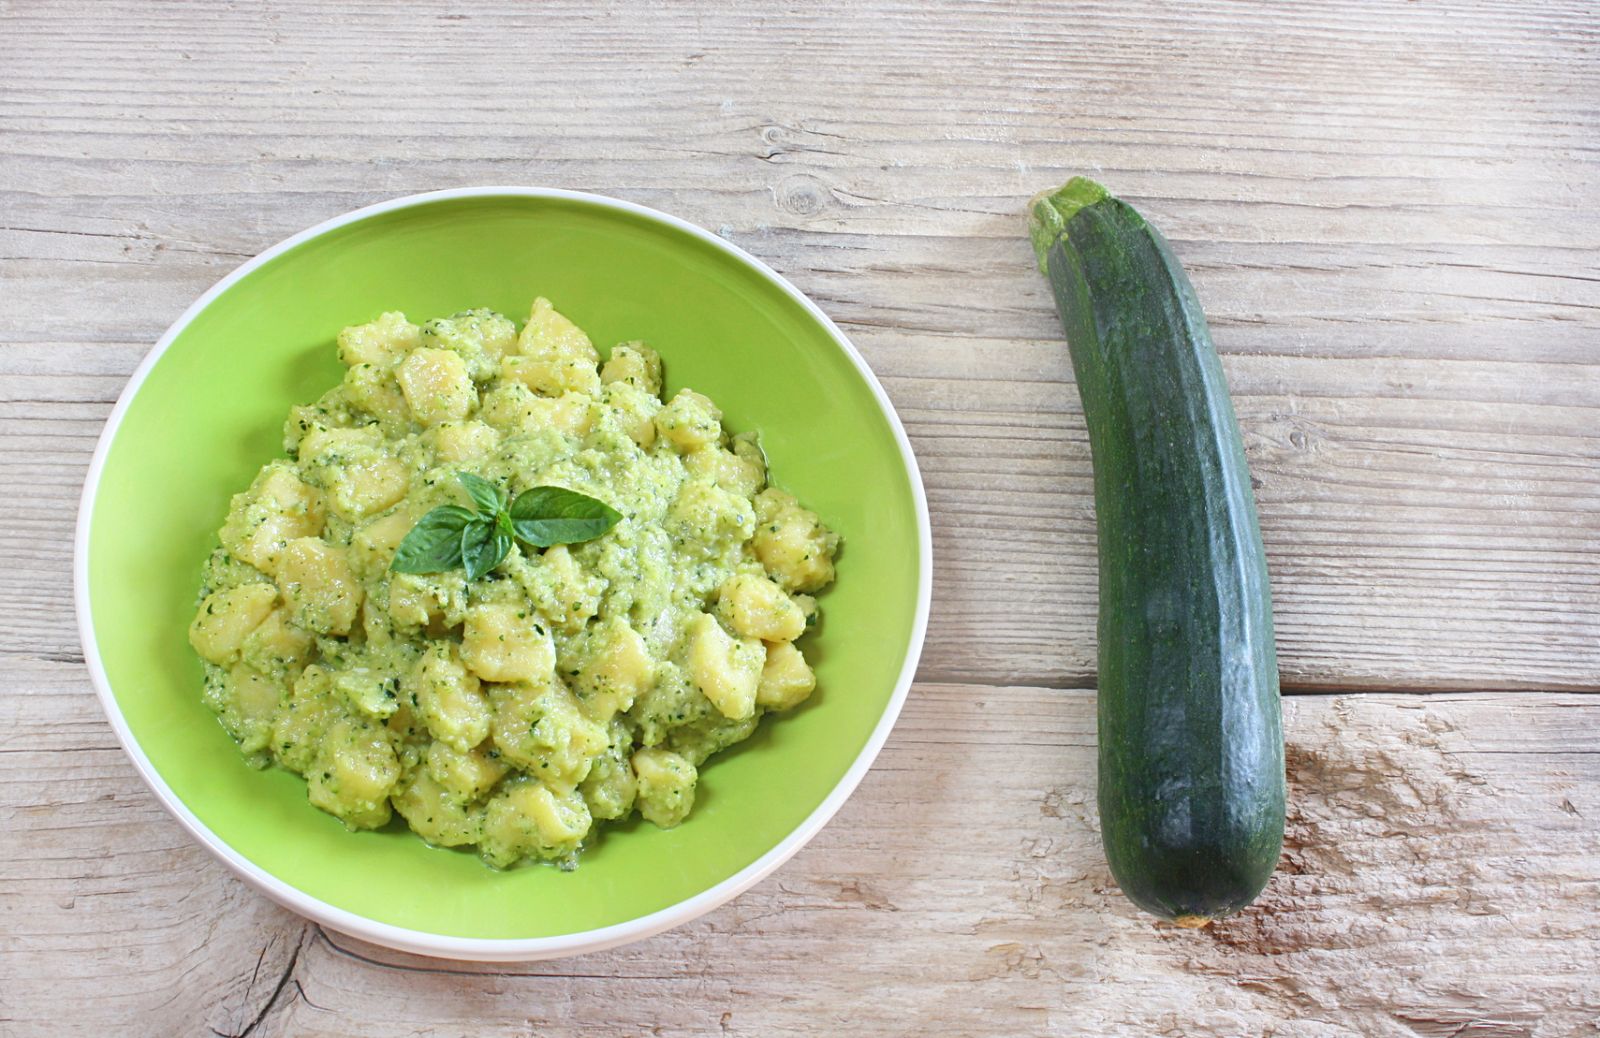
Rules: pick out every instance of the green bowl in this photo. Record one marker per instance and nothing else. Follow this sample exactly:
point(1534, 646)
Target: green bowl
point(205, 409)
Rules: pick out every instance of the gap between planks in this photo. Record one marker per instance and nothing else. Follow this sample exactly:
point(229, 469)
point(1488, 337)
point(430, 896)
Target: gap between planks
point(1076, 684)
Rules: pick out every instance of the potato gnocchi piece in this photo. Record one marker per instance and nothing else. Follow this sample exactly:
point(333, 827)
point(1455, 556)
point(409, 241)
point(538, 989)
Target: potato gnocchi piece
point(448, 698)
point(277, 508)
point(543, 730)
point(725, 668)
point(516, 410)
point(468, 775)
point(437, 386)
point(572, 413)
point(634, 411)
point(710, 734)
point(609, 667)
point(366, 486)
point(299, 728)
point(373, 391)
point(666, 786)
point(479, 337)
point(636, 364)
point(276, 646)
point(227, 618)
point(791, 542)
point(223, 571)
point(457, 443)
point(505, 643)
point(554, 355)
point(746, 446)
point(528, 819)
point(707, 514)
point(443, 818)
point(689, 421)
point(610, 787)
point(315, 580)
point(353, 774)
point(359, 477)
point(247, 702)
point(381, 342)
point(786, 678)
point(740, 476)
point(754, 607)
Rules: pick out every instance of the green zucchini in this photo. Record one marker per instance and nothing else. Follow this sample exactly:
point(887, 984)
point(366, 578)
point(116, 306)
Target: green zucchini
point(1191, 779)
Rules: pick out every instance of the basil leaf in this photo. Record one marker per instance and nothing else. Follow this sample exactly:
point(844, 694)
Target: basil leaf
point(488, 497)
point(545, 516)
point(434, 544)
point(483, 545)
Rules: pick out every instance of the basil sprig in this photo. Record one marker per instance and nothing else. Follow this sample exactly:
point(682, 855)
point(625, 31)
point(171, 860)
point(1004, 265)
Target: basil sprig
point(451, 536)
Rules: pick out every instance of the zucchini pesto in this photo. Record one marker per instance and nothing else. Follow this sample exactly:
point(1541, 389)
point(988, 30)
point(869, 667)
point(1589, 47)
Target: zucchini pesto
point(564, 686)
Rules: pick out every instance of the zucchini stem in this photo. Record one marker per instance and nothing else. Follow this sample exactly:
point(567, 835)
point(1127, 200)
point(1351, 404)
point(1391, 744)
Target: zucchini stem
point(1049, 211)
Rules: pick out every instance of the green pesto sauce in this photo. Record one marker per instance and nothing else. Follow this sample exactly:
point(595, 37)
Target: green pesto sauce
point(567, 686)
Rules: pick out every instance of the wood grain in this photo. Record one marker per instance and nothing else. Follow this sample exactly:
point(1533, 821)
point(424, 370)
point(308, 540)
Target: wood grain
point(1389, 212)
point(1440, 864)
point(1399, 271)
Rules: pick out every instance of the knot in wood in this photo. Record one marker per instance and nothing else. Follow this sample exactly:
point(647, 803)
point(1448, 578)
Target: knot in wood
point(803, 196)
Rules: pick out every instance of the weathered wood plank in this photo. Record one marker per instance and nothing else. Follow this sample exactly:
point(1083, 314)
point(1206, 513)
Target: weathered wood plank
point(1439, 878)
point(1430, 524)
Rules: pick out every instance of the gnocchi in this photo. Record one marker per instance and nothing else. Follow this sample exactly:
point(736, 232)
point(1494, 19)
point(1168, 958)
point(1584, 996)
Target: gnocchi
point(569, 685)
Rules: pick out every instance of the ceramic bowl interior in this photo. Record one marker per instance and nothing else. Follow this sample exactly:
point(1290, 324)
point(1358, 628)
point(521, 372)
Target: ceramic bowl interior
point(206, 411)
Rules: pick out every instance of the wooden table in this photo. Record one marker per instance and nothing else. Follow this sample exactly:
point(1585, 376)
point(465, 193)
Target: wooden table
point(1389, 210)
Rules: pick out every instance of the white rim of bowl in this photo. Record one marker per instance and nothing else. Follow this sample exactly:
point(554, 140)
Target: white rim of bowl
point(422, 942)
